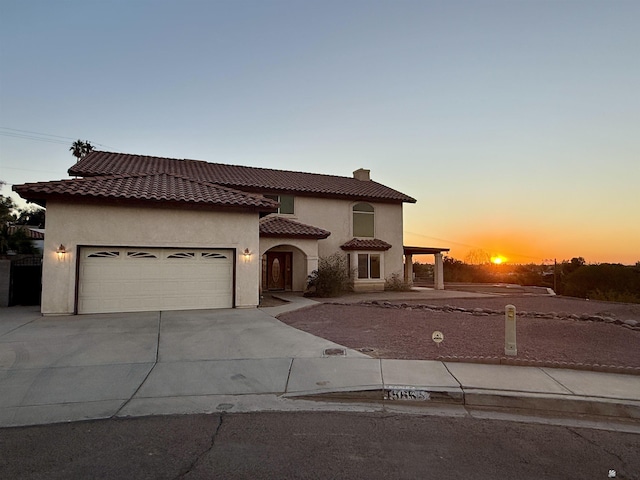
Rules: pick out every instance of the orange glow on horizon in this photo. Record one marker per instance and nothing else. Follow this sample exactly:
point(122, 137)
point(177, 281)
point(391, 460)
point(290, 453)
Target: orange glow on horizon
point(524, 245)
point(498, 260)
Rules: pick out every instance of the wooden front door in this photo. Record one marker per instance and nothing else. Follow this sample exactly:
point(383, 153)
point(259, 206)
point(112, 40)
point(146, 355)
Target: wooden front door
point(279, 270)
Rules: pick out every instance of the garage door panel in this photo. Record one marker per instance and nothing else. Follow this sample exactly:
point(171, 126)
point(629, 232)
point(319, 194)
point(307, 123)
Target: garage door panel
point(142, 279)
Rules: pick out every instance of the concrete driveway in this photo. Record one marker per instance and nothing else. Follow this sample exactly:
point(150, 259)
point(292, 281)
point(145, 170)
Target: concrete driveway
point(93, 366)
point(59, 369)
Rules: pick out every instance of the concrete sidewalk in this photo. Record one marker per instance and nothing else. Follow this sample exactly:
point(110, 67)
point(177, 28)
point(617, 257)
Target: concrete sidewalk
point(58, 369)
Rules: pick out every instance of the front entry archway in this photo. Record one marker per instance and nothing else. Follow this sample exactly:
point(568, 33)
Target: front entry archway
point(285, 267)
point(289, 252)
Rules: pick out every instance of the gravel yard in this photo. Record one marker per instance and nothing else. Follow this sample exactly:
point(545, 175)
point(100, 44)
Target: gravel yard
point(403, 330)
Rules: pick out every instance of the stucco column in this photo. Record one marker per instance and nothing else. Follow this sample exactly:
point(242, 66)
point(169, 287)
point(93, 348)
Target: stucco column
point(438, 272)
point(312, 264)
point(408, 268)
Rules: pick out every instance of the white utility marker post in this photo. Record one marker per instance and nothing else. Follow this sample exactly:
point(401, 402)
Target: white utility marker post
point(510, 347)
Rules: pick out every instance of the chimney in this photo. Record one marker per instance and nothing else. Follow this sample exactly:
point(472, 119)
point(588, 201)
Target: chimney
point(362, 174)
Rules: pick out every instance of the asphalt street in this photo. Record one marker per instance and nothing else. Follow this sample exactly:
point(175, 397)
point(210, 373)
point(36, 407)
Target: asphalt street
point(314, 445)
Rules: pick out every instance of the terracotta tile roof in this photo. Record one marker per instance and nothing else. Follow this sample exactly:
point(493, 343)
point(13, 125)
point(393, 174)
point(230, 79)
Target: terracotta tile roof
point(31, 233)
point(361, 244)
point(146, 187)
point(243, 178)
point(273, 226)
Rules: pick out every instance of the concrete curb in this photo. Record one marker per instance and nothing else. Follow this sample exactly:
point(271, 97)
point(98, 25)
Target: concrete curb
point(553, 403)
point(492, 399)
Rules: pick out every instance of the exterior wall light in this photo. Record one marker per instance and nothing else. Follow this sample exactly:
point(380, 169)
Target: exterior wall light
point(246, 254)
point(61, 252)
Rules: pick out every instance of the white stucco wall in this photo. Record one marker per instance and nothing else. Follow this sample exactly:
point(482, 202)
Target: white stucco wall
point(76, 225)
point(336, 216)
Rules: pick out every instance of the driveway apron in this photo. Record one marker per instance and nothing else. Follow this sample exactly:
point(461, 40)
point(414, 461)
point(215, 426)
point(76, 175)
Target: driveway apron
point(67, 368)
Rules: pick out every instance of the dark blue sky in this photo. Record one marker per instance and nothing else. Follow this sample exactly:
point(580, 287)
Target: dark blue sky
point(514, 123)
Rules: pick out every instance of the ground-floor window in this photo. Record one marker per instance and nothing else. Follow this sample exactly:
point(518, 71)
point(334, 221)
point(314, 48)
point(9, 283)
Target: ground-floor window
point(368, 265)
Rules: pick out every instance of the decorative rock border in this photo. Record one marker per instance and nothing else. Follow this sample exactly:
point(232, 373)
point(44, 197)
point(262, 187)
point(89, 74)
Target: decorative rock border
point(485, 312)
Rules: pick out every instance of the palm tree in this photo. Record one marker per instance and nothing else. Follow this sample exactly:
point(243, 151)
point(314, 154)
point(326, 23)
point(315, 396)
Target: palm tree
point(76, 149)
point(88, 148)
point(80, 149)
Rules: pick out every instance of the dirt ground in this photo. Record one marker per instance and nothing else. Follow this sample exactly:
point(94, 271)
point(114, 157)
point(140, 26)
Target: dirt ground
point(405, 333)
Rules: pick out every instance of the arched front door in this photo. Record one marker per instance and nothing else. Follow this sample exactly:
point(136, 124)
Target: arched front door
point(279, 275)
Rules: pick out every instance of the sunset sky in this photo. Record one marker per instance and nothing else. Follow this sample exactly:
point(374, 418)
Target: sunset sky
point(515, 124)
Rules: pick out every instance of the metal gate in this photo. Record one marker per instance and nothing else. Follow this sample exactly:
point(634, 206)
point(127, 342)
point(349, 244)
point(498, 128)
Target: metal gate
point(26, 281)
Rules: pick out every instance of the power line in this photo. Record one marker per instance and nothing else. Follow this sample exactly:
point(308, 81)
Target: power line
point(444, 240)
point(37, 133)
point(29, 169)
point(30, 137)
point(473, 246)
point(41, 137)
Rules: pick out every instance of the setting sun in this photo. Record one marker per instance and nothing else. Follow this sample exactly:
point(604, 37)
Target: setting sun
point(498, 259)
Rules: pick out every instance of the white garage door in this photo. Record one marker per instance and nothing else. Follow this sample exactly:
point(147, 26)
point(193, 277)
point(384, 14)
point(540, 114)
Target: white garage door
point(143, 279)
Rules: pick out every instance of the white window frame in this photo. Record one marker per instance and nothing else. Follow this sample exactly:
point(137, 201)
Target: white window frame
point(372, 213)
point(277, 199)
point(368, 253)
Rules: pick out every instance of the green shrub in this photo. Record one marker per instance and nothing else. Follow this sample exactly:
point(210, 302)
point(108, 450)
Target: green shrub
point(614, 296)
point(331, 278)
point(606, 281)
point(395, 283)
point(18, 241)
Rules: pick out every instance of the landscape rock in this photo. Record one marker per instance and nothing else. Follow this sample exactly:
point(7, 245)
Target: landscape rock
point(602, 317)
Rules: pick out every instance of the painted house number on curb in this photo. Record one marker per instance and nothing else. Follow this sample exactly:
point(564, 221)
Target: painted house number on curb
point(406, 393)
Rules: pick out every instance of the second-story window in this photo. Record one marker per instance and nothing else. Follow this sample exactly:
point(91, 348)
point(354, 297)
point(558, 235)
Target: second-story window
point(286, 203)
point(363, 220)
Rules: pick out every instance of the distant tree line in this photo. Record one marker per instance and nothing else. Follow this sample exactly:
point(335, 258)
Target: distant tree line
point(605, 281)
point(16, 239)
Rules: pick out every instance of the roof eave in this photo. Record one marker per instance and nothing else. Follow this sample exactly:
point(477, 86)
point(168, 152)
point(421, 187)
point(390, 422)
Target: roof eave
point(289, 235)
point(42, 198)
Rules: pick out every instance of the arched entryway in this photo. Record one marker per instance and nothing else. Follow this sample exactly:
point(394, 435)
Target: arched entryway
point(285, 267)
point(289, 252)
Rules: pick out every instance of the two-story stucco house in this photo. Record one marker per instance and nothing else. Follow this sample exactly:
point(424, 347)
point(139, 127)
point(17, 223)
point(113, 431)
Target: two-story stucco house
point(138, 233)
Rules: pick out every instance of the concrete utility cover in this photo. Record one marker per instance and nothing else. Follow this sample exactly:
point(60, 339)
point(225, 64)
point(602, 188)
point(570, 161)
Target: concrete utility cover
point(333, 352)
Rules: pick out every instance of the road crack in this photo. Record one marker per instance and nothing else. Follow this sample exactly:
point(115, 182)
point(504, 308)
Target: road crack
point(602, 447)
point(205, 452)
